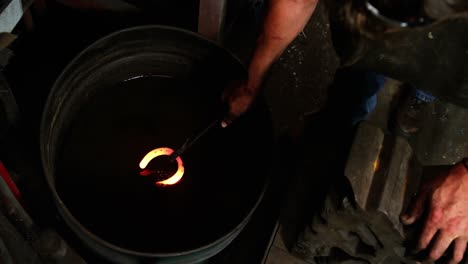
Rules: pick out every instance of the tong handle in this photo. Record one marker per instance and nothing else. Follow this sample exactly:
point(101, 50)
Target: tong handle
point(190, 141)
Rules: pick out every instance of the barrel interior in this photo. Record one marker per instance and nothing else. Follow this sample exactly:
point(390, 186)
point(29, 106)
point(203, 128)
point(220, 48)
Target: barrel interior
point(98, 178)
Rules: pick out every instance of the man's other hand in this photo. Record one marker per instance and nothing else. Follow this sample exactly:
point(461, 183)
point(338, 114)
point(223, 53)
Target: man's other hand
point(445, 200)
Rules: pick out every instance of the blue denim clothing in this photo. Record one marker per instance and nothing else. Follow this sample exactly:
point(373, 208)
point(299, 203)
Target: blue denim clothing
point(353, 95)
point(424, 96)
point(374, 83)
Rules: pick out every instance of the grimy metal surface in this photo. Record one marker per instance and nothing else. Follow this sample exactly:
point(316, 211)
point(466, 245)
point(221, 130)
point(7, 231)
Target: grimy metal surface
point(432, 58)
point(9, 112)
point(382, 174)
point(361, 223)
point(211, 18)
point(147, 50)
point(443, 139)
point(11, 12)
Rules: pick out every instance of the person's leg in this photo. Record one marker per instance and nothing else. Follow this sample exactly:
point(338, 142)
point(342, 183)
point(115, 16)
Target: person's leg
point(352, 96)
point(411, 112)
point(373, 84)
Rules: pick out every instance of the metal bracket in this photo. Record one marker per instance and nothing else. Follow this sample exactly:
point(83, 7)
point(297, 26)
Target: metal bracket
point(9, 111)
point(211, 18)
point(11, 13)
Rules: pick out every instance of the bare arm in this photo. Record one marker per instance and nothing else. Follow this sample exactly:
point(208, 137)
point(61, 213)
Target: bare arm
point(284, 20)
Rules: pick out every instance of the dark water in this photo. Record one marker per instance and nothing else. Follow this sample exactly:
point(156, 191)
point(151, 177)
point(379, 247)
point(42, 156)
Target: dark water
point(99, 179)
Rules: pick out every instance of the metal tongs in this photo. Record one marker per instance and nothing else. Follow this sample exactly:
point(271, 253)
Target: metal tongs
point(223, 122)
point(191, 140)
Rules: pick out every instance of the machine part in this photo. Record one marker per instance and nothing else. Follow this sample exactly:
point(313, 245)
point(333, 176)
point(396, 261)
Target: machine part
point(19, 249)
point(53, 249)
point(436, 62)
point(359, 218)
point(392, 22)
point(211, 18)
point(9, 182)
point(39, 241)
point(361, 221)
point(437, 9)
point(9, 112)
point(101, 5)
point(93, 89)
point(11, 13)
point(191, 140)
point(12, 209)
point(443, 138)
point(382, 174)
point(5, 54)
point(4, 254)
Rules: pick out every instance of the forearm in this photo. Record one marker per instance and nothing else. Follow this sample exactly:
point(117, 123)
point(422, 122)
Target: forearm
point(284, 20)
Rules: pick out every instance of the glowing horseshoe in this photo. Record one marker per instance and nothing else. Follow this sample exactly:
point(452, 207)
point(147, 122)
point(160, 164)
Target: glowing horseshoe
point(164, 152)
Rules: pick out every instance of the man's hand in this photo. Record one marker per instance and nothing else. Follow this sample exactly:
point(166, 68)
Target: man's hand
point(284, 20)
point(446, 201)
point(239, 98)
